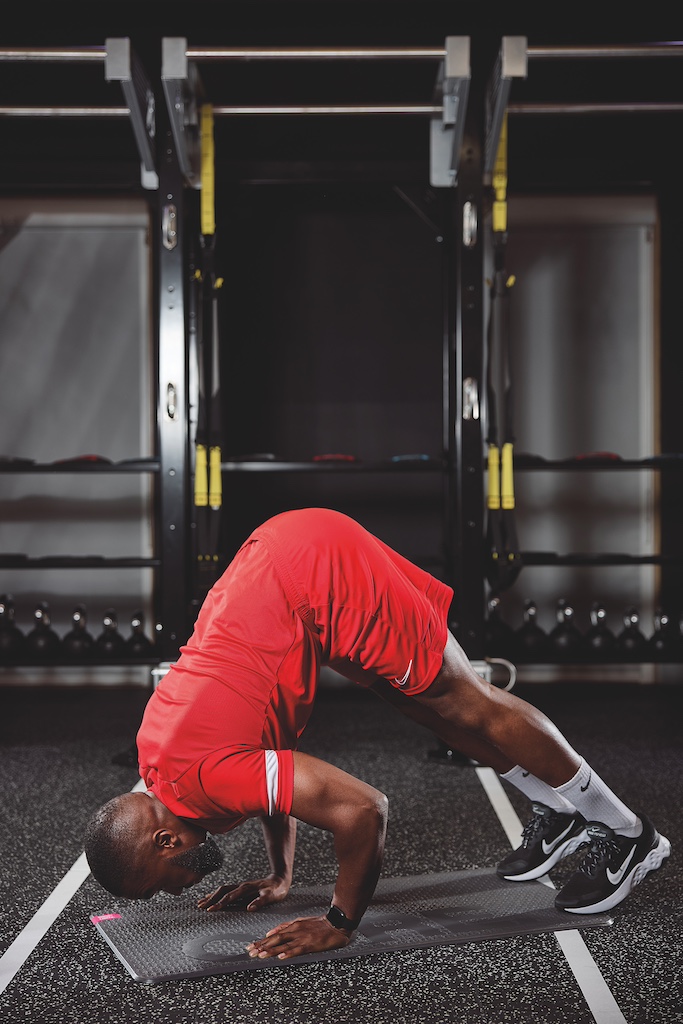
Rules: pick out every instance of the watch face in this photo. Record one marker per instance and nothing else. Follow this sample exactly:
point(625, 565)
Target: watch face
point(338, 919)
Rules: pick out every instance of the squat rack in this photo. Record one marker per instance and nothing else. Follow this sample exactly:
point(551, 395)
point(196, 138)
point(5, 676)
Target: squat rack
point(466, 119)
point(465, 122)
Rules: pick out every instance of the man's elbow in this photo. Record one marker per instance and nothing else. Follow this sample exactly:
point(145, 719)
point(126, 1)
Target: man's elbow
point(367, 816)
point(378, 811)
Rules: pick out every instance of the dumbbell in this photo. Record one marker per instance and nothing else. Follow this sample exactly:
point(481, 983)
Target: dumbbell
point(12, 639)
point(666, 642)
point(110, 643)
point(631, 642)
point(42, 643)
point(600, 640)
point(138, 645)
point(78, 643)
point(500, 639)
point(566, 638)
point(532, 642)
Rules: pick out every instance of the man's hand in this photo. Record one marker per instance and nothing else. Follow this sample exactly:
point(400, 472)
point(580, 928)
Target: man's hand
point(258, 892)
point(294, 938)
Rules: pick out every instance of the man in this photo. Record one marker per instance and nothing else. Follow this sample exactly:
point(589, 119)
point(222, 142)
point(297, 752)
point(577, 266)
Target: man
point(218, 739)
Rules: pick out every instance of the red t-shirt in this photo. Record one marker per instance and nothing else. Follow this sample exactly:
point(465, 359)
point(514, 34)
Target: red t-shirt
point(308, 587)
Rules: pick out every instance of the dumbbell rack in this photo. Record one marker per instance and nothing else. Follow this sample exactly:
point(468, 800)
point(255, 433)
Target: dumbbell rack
point(657, 463)
point(75, 562)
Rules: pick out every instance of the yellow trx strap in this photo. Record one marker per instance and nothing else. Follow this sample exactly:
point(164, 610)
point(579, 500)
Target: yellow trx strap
point(201, 479)
point(207, 177)
point(500, 180)
point(507, 487)
point(212, 485)
point(215, 479)
point(493, 500)
point(500, 223)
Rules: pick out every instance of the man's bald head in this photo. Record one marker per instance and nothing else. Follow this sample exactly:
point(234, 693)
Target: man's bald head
point(136, 847)
point(114, 838)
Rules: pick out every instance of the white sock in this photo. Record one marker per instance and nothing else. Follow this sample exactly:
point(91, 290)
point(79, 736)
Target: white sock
point(596, 801)
point(537, 790)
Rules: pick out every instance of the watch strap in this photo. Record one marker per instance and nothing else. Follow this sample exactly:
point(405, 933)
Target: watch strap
point(338, 919)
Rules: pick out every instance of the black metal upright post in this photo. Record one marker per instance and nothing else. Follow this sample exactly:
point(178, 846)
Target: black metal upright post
point(463, 354)
point(173, 419)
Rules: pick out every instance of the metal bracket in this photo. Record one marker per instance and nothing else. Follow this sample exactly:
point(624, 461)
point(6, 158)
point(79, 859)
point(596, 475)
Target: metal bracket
point(446, 132)
point(169, 226)
point(123, 65)
point(470, 399)
point(184, 93)
point(511, 63)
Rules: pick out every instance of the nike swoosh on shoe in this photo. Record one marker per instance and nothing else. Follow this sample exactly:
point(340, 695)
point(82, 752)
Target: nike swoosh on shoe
point(616, 876)
point(549, 847)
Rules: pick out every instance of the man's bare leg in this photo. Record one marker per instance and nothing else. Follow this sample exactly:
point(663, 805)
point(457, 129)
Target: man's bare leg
point(451, 734)
point(495, 726)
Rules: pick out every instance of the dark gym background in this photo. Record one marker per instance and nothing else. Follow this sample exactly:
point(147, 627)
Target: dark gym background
point(329, 239)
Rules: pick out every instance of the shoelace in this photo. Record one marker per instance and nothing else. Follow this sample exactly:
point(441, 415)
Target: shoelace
point(599, 851)
point(531, 830)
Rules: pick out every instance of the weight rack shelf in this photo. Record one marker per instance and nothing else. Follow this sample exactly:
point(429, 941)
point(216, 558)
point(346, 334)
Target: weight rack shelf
point(537, 462)
point(95, 662)
point(68, 466)
point(538, 558)
point(410, 465)
point(591, 662)
point(76, 562)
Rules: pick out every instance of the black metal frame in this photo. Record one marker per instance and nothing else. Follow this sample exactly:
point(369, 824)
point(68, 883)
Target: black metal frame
point(173, 519)
point(463, 357)
point(463, 362)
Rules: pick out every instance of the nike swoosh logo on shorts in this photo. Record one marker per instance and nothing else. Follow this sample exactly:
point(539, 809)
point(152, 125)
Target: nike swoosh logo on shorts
point(403, 681)
point(616, 876)
point(549, 847)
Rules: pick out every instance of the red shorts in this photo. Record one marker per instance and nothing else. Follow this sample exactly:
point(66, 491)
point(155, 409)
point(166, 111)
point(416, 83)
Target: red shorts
point(309, 587)
point(370, 608)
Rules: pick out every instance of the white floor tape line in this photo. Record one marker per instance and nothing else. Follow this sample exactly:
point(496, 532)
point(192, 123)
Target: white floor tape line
point(600, 1000)
point(28, 938)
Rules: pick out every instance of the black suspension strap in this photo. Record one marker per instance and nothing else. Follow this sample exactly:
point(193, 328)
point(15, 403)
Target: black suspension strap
point(504, 562)
point(208, 491)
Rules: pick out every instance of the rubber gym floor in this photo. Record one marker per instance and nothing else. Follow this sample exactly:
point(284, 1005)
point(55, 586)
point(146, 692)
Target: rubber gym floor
point(56, 768)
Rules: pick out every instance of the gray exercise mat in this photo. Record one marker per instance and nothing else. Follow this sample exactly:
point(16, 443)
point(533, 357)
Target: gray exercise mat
point(172, 939)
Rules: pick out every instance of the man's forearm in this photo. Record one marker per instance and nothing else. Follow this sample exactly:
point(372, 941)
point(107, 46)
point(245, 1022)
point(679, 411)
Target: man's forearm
point(279, 835)
point(356, 814)
point(360, 851)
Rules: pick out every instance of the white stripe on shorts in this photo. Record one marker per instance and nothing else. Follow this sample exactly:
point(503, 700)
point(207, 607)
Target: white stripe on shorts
point(272, 779)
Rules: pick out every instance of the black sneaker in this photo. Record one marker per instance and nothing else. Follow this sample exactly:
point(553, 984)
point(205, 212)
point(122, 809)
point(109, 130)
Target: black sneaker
point(549, 836)
point(612, 867)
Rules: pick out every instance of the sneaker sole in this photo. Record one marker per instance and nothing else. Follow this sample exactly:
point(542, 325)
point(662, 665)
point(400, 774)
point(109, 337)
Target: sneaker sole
point(652, 862)
point(562, 851)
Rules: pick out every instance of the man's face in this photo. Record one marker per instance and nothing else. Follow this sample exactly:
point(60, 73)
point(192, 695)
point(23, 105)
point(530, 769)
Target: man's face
point(175, 872)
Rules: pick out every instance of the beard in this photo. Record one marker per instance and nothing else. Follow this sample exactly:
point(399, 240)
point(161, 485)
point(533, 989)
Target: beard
point(202, 859)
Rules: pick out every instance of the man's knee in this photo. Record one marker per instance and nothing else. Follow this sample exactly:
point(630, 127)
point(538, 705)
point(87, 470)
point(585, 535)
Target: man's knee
point(458, 694)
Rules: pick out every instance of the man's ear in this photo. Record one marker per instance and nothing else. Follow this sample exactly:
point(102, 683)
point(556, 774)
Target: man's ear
point(165, 838)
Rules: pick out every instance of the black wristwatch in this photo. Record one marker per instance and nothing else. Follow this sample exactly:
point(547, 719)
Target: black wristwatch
point(338, 919)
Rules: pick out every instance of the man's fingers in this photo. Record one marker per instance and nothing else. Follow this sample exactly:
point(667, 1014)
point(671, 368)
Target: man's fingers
point(273, 943)
point(264, 898)
point(226, 895)
point(294, 938)
point(285, 926)
point(251, 895)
